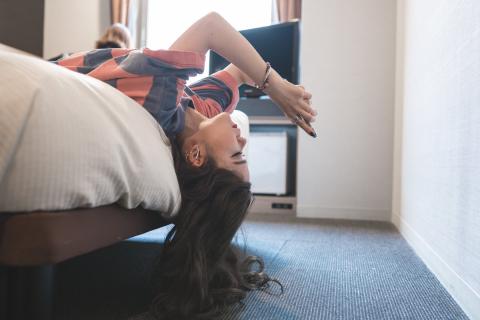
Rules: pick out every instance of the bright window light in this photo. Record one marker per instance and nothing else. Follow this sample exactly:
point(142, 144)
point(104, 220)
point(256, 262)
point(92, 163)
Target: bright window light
point(167, 20)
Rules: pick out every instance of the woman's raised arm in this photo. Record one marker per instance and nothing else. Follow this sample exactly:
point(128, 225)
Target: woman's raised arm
point(214, 32)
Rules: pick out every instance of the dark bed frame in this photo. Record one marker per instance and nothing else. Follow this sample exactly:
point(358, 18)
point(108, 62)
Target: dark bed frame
point(31, 244)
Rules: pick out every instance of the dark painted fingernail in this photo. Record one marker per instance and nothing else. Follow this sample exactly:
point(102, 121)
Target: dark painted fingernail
point(313, 134)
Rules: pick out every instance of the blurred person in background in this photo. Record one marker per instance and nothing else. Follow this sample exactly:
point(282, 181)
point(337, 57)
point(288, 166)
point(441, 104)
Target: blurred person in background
point(116, 36)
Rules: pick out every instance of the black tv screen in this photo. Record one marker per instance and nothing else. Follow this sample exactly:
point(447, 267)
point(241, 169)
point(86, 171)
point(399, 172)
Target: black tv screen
point(278, 43)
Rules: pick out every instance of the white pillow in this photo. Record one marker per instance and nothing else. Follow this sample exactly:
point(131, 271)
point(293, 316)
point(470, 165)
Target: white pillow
point(68, 140)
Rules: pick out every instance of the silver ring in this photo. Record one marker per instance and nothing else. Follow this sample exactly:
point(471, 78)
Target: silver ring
point(297, 118)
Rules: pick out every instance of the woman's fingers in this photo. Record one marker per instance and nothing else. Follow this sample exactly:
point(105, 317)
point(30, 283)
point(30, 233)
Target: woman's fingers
point(306, 97)
point(300, 121)
point(305, 127)
point(305, 94)
point(307, 110)
point(299, 104)
point(303, 108)
point(299, 109)
point(307, 116)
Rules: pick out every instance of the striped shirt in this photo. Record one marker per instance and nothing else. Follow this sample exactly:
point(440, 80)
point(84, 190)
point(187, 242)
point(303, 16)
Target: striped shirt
point(156, 79)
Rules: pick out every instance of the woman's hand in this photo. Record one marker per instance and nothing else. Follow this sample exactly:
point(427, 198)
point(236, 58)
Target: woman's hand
point(294, 101)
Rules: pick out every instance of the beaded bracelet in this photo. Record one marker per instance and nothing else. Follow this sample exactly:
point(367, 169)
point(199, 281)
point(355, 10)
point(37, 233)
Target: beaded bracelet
point(265, 80)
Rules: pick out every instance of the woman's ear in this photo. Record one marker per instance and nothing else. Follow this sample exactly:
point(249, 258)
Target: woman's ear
point(196, 155)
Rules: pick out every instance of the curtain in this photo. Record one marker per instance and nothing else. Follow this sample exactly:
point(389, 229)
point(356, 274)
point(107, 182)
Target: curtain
point(119, 12)
point(289, 9)
point(137, 22)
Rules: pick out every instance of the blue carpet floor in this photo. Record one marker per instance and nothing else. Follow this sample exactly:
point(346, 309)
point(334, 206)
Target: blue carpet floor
point(330, 269)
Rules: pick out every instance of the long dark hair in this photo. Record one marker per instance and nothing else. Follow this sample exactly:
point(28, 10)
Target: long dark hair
point(198, 272)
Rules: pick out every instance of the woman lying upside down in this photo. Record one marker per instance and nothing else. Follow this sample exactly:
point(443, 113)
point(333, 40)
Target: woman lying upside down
point(198, 272)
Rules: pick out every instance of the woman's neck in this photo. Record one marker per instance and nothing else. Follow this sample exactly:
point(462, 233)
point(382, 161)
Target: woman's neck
point(193, 118)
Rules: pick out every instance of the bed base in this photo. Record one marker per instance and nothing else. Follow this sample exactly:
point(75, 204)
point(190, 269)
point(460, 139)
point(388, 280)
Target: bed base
point(31, 244)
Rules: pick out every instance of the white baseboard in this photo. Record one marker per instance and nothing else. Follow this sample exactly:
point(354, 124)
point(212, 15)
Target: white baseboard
point(462, 293)
point(343, 213)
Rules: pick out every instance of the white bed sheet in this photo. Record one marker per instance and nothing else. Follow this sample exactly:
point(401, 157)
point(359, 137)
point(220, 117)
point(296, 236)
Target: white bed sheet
point(68, 141)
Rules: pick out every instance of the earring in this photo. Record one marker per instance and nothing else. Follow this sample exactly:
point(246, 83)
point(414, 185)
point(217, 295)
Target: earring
point(196, 153)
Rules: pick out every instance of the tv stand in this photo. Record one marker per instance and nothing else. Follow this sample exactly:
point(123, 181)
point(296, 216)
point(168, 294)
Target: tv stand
point(265, 117)
point(260, 107)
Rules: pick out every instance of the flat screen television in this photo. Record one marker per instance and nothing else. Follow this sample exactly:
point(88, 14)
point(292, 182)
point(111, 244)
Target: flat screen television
point(278, 43)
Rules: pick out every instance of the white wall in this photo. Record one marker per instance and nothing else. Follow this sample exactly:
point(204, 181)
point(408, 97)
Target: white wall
point(348, 63)
point(437, 194)
point(73, 25)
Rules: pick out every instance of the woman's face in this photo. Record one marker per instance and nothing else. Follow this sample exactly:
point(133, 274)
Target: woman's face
point(224, 144)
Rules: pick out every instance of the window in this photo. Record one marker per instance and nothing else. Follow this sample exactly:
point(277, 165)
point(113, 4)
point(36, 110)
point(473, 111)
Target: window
point(167, 20)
